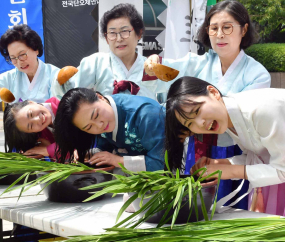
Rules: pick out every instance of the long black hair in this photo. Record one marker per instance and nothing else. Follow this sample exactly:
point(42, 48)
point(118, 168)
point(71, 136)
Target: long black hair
point(67, 136)
point(179, 94)
point(14, 138)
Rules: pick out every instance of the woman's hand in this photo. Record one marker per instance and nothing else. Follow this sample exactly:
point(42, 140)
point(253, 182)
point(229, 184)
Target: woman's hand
point(38, 150)
point(41, 149)
point(212, 165)
point(105, 158)
point(75, 155)
point(43, 142)
point(148, 64)
point(202, 162)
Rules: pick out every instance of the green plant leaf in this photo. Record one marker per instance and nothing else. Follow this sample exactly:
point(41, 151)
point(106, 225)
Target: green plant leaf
point(166, 163)
point(126, 204)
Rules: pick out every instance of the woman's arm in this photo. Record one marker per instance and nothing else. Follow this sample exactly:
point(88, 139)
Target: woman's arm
point(268, 120)
point(105, 158)
point(85, 77)
point(229, 171)
point(150, 124)
point(45, 148)
point(189, 65)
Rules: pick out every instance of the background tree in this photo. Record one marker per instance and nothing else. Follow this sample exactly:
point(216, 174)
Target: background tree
point(269, 17)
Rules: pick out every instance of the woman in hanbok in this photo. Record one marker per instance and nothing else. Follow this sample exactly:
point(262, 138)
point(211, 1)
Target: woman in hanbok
point(32, 78)
point(120, 70)
point(254, 119)
point(127, 130)
point(227, 31)
point(28, 123)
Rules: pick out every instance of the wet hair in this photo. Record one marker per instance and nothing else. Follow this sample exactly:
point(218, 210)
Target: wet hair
point(14, 138)
point(67, 136)
point(123, 10)
point(180, 94)
point(239, 13)
point(24, 34)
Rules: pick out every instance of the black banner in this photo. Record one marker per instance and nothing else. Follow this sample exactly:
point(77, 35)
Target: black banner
point(70, 31)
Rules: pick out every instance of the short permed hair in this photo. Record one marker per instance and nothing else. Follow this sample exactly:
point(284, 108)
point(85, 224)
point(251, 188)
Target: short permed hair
point(123, 10)
point(239, 13)
point(24, 34)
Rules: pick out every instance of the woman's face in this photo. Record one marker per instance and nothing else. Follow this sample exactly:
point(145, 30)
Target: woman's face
point(28, 66)
point(33, 118)
point(95, 118)
point(226, 45)
point(210, 117)
point(123, 48)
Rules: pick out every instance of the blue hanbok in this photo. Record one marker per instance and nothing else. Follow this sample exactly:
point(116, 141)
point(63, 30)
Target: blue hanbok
point(139, 133)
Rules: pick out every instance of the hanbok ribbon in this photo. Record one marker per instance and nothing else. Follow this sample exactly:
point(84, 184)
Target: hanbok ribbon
point(125, 85)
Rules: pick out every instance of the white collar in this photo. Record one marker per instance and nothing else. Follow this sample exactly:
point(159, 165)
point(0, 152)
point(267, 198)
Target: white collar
point(35, 78)
point(48, 107)
point(237, 120)
point(114, 107)
point(127, 72)
point(230, 69)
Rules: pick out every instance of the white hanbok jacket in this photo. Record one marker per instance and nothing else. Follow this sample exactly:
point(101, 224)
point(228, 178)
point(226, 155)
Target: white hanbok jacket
point(39, 90)
point(245, 73)
point(258, 117)
point(99, 71)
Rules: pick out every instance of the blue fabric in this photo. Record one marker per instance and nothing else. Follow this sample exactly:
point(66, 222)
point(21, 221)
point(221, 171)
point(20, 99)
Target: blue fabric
point(190, 157)
point(46, 158)
point(141, 123)
point(227, 186)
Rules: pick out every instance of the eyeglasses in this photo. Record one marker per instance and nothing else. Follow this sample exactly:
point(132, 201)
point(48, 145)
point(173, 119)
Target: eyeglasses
point(227, 29)
point(21, 57)
point(124, 34)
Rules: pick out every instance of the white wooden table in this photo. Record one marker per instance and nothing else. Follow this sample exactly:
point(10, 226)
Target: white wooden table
point(67, 219)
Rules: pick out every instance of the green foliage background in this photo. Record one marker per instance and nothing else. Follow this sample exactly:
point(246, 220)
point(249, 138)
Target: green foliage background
point(271, 56)
point(269, 15)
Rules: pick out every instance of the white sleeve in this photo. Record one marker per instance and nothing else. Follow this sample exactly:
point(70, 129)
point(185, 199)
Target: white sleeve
point(135, 163)
point(259, 78)
point(85, 77)
point(269, 122)
point(7, 80)
point(238, 160)
point(189, 65)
